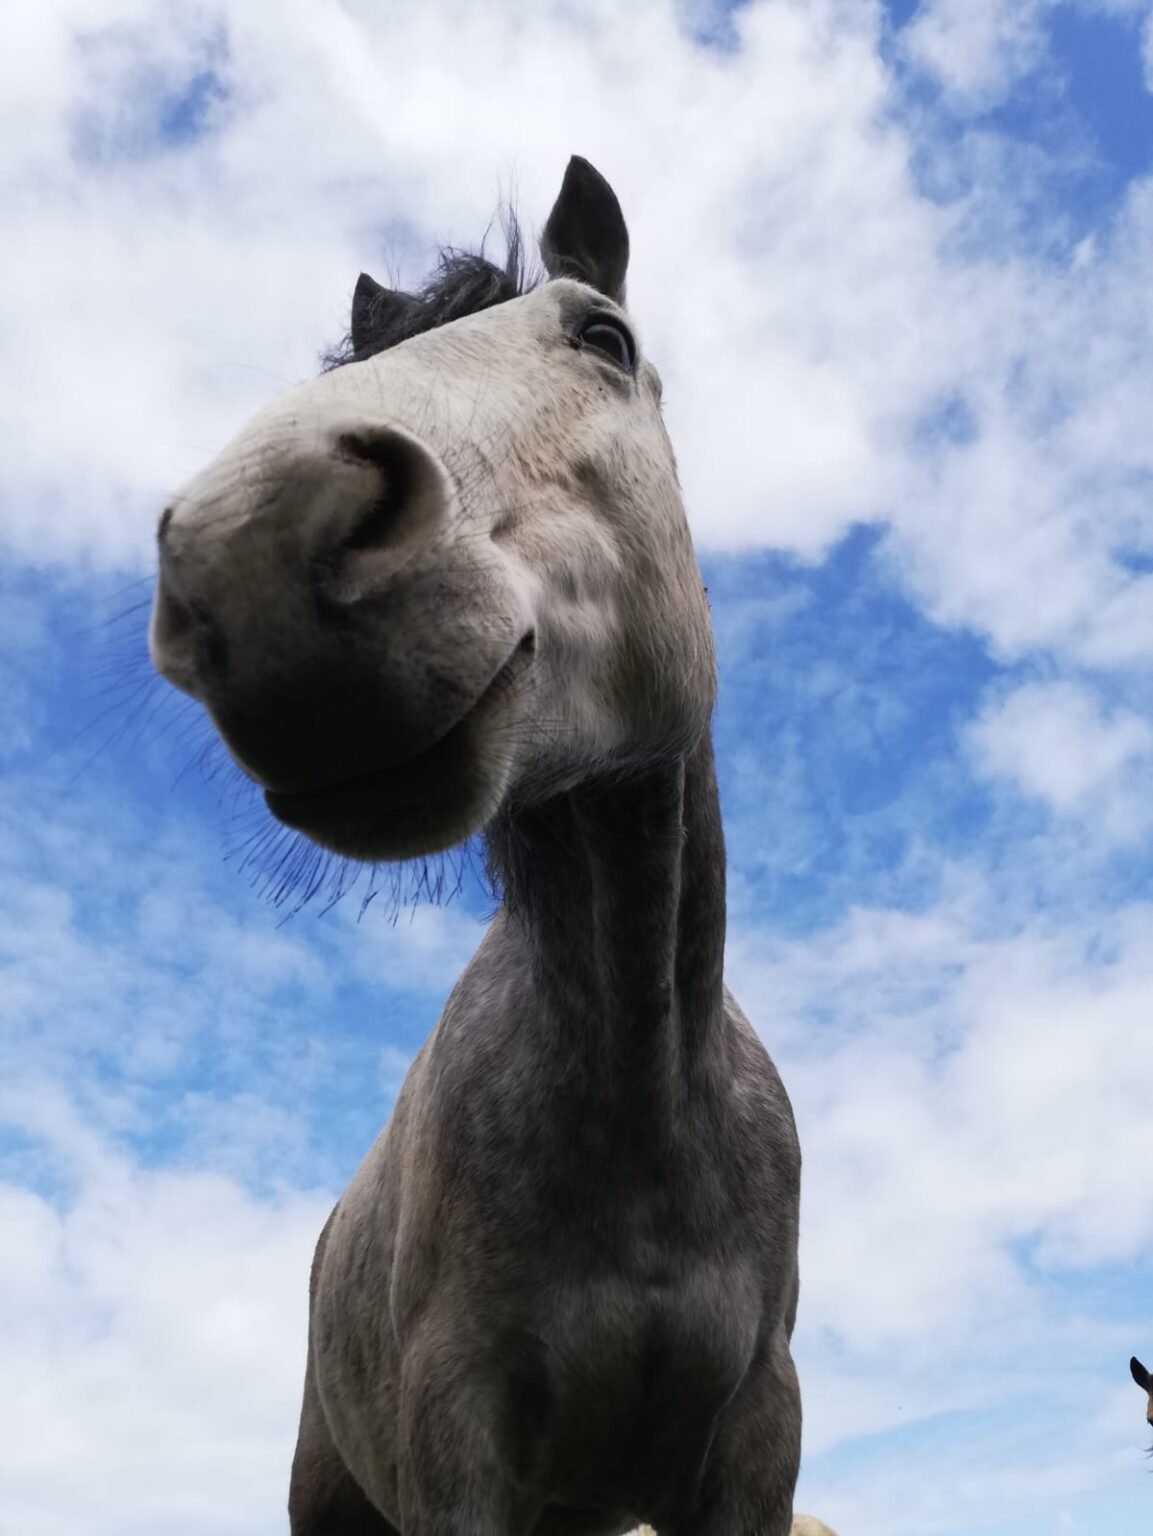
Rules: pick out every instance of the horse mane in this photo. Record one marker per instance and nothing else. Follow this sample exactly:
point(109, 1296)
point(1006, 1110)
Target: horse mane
point(463, 283)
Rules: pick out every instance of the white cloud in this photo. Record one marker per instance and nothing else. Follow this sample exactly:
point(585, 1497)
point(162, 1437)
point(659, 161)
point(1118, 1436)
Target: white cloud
point(1058, 744)
point(971, 1088)
point(152, 1347)
point(995, 1479)
point(1027, 531)
point(930, 1053)
point(977, 48)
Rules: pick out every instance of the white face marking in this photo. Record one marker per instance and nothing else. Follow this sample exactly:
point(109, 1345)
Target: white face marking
point(344, 584)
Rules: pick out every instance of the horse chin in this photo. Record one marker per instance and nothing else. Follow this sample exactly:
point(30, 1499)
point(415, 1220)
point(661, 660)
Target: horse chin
point(365, 820)
point(425, 805)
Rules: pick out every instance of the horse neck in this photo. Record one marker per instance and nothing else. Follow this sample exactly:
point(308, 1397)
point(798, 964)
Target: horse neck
point(616, 890)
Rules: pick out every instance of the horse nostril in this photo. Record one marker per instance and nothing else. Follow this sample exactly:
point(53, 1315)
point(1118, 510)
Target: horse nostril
point(213, 645)
point(382, 522)
point(375, 526)
point(184, 632)
point(364, 445)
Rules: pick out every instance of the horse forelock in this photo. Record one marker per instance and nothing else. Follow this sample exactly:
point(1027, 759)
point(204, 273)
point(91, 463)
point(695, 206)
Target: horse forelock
point(462, 283)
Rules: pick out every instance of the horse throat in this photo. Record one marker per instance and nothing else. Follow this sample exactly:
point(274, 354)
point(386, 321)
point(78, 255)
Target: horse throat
point(615, 892)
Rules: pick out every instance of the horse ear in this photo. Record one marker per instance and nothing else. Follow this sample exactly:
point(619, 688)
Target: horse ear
point(585, 236)
point(375, 312)
point(1141, 1375)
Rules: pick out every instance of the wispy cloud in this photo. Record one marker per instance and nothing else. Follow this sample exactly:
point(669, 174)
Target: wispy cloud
point(152, 1378)
point(972, 1100)
point(1057, 742)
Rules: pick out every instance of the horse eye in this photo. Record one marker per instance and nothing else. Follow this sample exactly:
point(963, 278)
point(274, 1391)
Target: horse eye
point(607, 334)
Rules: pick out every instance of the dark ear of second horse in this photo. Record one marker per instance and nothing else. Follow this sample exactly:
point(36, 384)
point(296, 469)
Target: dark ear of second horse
point(585, 236)
point(374, 309)
point(1141, 1375)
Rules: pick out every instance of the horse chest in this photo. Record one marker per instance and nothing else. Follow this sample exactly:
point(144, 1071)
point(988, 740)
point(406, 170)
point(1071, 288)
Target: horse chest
point(637, 1375)
point(629, 1343)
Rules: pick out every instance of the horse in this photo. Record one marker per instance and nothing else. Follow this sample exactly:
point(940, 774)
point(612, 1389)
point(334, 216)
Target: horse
point(1143, 1379)
point(444, 590)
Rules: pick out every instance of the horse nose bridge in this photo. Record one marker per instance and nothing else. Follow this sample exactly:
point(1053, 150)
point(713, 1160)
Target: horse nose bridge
point(329, 490)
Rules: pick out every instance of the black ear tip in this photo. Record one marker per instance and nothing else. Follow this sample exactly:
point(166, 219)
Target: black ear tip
point(1140, 1374)
point(581, 170)
point(365, 285)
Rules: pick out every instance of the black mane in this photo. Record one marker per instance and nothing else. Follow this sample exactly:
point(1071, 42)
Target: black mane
point(464, 283)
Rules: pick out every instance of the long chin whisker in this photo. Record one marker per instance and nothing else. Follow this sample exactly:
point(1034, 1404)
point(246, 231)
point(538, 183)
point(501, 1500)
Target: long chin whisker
point(292, 873)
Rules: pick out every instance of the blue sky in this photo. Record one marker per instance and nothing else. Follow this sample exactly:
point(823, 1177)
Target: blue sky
point(896, 266)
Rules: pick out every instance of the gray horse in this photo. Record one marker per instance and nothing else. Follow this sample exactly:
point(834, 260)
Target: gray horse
point(449, 588)
point(1143, 1379)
